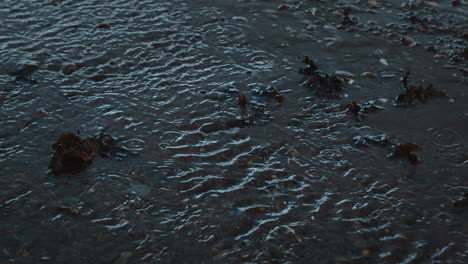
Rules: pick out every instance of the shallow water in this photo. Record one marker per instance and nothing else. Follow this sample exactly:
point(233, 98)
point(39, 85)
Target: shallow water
point(297, 186)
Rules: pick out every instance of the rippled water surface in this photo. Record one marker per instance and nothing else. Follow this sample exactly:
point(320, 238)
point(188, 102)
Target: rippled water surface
point(307, 182)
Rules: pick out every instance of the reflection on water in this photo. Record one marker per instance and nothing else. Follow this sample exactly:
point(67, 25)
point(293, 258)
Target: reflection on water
point(290, 178)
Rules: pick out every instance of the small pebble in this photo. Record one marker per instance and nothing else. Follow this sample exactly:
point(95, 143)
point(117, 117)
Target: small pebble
point(406, 40)
point(372, 4)
point(239, 18)
point(313, 11)
point(105, 26)
point(388, 76)
point(283, 7)
point(384, 62)
point(344, 73)
point(369, 75)
point(433, 4)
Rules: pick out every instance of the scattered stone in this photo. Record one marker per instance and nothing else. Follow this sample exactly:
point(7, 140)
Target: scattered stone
point(372, 4)
point(384, 62)
point(406, 40)
point(239, 18)
point(344, 74)
point(369, 75)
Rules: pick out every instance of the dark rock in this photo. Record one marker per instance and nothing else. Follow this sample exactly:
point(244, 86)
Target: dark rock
point(69, 69)
point(98, 78)
point(73, 154)
point(104, 26)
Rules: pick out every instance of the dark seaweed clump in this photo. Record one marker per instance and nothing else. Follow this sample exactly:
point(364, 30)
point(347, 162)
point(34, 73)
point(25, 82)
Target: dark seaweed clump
point(361, 110)
point(413, 92)
point(398, 150)
point(463, 202)
point(325, 85)
point(25, 72)
point(406, 151)
point(73, 154)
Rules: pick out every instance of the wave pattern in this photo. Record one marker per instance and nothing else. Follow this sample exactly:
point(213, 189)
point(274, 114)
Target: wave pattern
point(205, 180)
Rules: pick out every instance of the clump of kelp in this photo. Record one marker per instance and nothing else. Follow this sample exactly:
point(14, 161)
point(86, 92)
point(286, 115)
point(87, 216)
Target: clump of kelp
point(398, 150)
point(361, 110)
point(325, 85)
point(416, 92)
point(73, 154)
point(25, 72)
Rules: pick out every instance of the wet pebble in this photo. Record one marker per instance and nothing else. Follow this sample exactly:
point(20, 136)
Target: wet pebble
point(384, 62)
point(344, 73)
point(283, 7)
point(239, 18)
point(69, 69)
point(369, 75)
point(372, 4)
point(104, 26)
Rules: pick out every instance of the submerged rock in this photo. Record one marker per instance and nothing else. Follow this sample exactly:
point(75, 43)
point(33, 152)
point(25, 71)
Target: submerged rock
point(73, 154)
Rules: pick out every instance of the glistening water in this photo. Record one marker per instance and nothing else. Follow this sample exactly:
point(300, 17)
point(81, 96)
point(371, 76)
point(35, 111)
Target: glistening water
point(305, 182)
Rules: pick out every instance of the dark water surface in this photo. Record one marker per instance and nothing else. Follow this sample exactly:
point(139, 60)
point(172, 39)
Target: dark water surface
point(304, 184)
